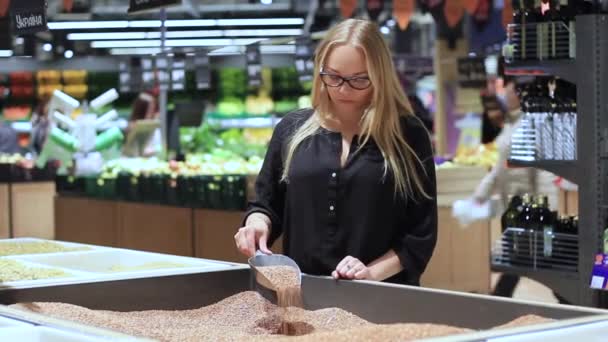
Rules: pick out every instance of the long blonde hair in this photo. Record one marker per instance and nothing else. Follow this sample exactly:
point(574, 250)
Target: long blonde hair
point(381, 121)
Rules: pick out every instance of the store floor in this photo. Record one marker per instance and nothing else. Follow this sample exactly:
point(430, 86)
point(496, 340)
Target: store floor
point(528, 289)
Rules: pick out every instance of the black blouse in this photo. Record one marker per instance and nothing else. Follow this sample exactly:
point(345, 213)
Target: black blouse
point(327, 212)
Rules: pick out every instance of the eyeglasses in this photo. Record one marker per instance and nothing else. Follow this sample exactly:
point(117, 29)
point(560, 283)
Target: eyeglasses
point(355, 82)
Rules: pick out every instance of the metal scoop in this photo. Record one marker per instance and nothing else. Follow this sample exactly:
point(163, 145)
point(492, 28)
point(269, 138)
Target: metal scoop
point(260, 259)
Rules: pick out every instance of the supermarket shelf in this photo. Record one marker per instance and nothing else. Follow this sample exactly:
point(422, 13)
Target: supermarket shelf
point(566, 284)
point(262, 122)
point(565, 69)
point(565, 168)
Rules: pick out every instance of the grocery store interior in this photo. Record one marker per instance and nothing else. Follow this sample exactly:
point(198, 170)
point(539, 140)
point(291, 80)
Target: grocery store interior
point(132, 134)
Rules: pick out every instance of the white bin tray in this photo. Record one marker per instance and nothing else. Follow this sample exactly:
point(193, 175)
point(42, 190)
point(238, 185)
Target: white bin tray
point(71, 275)
point(121, 262)
point(78, 247)
point(6, 323)
point(44, 334)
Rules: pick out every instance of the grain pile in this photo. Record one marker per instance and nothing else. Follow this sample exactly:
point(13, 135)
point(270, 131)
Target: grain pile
point(525, 320)
point(35, 247)
point(12, 270)
point(246, 316)
point(285, 280)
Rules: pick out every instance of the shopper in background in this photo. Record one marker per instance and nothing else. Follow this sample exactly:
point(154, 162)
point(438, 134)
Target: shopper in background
point(40, 125)
point(9, 142)
point(350, 184)
point(145, 107)
point(505, 180)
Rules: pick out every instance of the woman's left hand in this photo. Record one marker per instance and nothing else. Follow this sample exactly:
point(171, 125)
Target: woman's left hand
point(351, 268)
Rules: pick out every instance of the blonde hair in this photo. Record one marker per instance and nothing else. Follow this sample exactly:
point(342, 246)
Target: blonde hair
point(381, 121)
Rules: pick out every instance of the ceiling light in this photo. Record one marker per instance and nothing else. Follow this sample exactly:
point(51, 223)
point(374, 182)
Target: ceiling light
point(87, 25)
point(261, 33)
point(135, 51)
point(260, 22)
point(68, 54)
point(47, 47)
point(264, 49)
point(91, 25)
point(184, 34)
point(108, 44)
point(6, 53)
point(385, 30)
point(191, 23)
point(266, 2)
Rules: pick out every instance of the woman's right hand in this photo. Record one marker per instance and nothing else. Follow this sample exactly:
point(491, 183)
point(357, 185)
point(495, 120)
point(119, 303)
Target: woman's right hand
point(254, 234)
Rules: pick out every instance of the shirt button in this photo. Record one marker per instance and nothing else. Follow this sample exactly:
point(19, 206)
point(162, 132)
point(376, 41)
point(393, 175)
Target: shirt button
point(331, 207)
point(333, 175)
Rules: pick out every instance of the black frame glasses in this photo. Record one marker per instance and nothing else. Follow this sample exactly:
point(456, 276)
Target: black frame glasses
point(348, 80)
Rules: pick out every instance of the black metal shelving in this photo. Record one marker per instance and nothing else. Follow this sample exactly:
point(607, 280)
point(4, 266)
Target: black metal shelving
point(568, 169)
point(590, 72)
point(565, 69)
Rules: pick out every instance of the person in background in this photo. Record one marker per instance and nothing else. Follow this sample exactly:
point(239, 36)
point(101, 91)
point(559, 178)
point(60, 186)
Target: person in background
point(350, 183)
point(40, 126)
point(9, 142)
point(145, 107)
point(501, 178)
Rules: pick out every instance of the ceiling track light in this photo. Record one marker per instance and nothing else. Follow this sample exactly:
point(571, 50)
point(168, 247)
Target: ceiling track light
point(109, 24)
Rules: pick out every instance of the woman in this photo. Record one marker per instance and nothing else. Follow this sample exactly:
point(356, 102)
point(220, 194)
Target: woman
point(145, 107)
point(351, 183)
point(40, 125)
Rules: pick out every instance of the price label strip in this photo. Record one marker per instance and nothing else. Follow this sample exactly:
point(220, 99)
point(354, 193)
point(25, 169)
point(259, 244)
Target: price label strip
point(599, 275)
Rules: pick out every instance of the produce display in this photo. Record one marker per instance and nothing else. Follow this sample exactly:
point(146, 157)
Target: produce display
point(15, 113)
point(259, 105)
point(17, 168)
point(484, 155)
point(15, 158)
point(12, 270)
point(35, 247)
point(248, 316)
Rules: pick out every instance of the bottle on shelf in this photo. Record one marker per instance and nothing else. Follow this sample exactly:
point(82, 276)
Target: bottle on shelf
point(545, 224)
point(510, 218)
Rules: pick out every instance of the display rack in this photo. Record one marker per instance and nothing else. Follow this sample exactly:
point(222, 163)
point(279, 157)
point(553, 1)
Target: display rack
point(589, 71)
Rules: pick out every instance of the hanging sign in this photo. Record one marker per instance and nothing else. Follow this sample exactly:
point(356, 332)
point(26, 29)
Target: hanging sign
point(28, 16)
point(146, 5)
point(507, 13)
point(471, 5)
point(303, 58)
point(402, 12)
point(347, 8)
point(203, 70)
point(68, 5)
point(413, 66)
point(481, 16)
point(374, 8)
point(453, 11)
point(472, 72)
point(254, 65)
point(4, 5)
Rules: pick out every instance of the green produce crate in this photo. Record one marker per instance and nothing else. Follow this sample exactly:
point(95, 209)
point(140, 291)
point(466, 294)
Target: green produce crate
point(234, 188)
point(91, 188)
point(213, 186)
point(107, 188)
point(153, 188)
point(127, 187)
point(188, 190)
point(172, 192)
point(69, 185)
